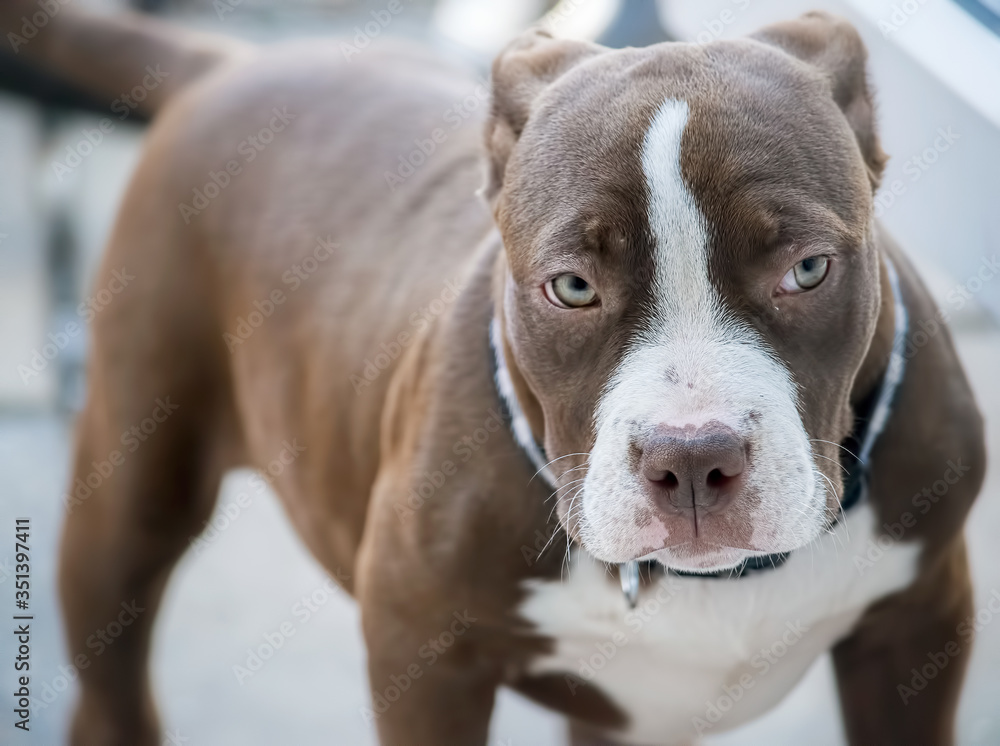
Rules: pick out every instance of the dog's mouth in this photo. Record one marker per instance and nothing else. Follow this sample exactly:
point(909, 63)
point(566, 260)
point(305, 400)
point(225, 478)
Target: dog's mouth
point(701, 554)
point(700, 557)
point(624, 524)
point(711, 550)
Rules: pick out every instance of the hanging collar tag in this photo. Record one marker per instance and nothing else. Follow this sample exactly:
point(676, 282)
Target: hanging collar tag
point(628, 573)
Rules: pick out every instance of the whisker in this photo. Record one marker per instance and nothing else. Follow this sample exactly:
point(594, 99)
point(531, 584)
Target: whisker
point(820, 455)
point(558, 458)
point(563, 487)
point(575, 468)
point(832, 529)
point(840, 506)
point(569, 516)
point(838, 445)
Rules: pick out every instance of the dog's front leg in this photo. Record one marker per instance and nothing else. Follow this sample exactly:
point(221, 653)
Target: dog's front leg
point(900, 673)
point(424, 692)
point(431, 680)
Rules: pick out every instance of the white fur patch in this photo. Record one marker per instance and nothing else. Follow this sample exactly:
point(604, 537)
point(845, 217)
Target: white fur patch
point(734, 645)
point(691, 365)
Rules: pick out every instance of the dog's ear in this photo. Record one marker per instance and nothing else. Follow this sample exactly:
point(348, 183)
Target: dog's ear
point(529, 64)
point(834, 46)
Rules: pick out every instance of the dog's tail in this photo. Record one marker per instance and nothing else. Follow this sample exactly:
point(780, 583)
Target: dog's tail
point(55, 53)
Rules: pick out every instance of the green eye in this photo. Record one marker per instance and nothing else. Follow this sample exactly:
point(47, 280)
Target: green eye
point(805, 275)
point(570, 291)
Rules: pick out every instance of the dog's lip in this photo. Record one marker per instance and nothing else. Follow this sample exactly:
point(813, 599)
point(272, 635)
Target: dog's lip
point(700, 546)
point(711, 558)
point(684, 553)
point(705, 558)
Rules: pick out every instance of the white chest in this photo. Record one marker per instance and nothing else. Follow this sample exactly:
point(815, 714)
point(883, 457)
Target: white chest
point(699, 656)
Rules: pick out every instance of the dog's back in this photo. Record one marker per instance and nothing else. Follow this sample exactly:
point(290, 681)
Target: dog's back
point(283, 242)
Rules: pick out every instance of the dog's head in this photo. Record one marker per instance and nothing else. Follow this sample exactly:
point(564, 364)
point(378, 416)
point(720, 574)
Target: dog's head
point(689, 284)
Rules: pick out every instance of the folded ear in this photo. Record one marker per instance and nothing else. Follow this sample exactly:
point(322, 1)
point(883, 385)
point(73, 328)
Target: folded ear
point(834, 46)
point(529, 64)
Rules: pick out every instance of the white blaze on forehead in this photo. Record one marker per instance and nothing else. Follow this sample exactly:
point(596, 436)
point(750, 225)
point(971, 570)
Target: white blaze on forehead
point(678, 226)
point(692, 363)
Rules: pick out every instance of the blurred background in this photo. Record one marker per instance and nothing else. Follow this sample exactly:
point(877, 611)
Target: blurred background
point(935, 65)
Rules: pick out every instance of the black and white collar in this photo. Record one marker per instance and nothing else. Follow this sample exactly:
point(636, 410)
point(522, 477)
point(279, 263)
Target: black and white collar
point(871, 419)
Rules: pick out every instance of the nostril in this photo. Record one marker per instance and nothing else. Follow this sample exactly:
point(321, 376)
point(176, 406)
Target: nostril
point(663, 478)
point(716, 478)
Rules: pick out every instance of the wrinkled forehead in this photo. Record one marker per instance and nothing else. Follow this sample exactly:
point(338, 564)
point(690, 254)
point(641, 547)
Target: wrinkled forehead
point(758, 140)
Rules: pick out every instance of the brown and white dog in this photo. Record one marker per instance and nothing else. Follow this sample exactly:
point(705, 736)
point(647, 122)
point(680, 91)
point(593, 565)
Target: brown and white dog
point(693, 312)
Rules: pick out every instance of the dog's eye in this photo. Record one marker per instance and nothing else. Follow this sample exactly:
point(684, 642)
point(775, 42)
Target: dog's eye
point(805, 275)
point(570, 291)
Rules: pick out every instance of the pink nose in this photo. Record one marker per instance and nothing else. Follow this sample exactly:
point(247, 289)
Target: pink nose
point(693, 469)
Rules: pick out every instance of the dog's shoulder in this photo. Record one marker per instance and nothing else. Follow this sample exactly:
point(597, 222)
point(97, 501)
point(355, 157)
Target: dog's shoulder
point(455, 497)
